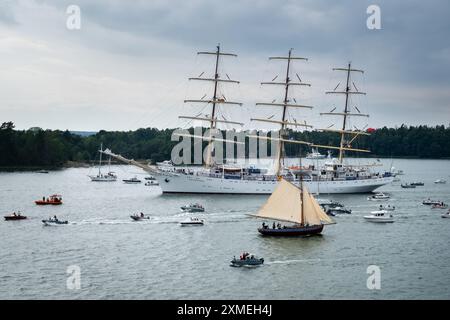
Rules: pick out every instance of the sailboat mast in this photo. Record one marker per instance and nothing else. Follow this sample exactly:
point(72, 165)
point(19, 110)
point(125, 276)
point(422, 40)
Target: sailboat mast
point(216, 76)
point(283, 118)
point(213, 113)
point(100, 163)
point(284, 104)
point(347, 90)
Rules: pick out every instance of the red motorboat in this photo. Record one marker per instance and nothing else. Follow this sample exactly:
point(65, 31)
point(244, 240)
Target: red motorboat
point(53, 200)
point(14, 216)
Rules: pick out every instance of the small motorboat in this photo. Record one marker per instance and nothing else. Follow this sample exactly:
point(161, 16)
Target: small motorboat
point(54, 222)
point(247, 259)
point(430, 202)
point(139, 217)
point(15, 216)
point(338, 210)
point(380, 196)
point(132, 180)
point(446, 215)
point(407, 186)
point(42, 171)
point(325, 203)
point(380, 216)
point(387, 208)
point(192, 222)
point(419, 184)
point(152, 183)
point(439, 206)
point(54, 199)
point(150, 178)
point(440, 181)
point(193, 207)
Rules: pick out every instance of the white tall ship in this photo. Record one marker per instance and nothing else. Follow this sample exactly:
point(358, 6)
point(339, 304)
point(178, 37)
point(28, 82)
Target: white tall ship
point(334, 176)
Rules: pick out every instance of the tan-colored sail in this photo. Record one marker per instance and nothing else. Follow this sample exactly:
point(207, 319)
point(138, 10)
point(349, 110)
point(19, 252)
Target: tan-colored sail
point(320, 212)
point(285, 204)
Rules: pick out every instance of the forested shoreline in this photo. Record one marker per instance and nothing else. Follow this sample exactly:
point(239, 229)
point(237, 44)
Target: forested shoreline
point(55, 148)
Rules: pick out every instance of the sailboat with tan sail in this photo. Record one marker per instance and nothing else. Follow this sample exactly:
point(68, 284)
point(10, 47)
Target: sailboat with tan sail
point(294, 205)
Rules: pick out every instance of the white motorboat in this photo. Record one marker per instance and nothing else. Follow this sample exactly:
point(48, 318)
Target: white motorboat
point(152, 183)
point(446, 215)
point(440, 181)
point(139, 217)
point(430, 202)
point(387, 208)
point(315, 154)
point(337, 210)
point(192, 222)
point(132, 180)
point(193, 207)
point(380, 196)
point(380, 216)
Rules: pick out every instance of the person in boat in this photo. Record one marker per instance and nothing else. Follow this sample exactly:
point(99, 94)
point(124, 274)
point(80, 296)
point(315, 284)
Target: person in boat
point(273, 225)
point(279, 225)
point(55, 218)
point(264, 225)
point(43, 198)
point(142, 215)
point(14, 214)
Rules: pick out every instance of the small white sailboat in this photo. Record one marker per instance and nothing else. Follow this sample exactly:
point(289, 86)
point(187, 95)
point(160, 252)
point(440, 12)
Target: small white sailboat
point(380, 216)
point(100, 177)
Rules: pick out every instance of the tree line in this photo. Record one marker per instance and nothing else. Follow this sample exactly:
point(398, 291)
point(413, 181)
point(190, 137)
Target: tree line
point(54, 148)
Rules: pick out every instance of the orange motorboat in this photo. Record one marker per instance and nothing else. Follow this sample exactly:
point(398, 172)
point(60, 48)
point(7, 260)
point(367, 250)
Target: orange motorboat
point(53, 200)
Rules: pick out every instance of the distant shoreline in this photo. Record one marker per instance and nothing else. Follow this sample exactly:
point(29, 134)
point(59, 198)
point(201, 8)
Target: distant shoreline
point(80, 164)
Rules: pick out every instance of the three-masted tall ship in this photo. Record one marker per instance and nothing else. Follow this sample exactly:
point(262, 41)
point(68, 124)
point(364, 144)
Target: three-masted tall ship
point(212, 178)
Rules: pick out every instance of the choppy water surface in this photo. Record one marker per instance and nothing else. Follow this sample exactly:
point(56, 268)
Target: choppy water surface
point(158, 259)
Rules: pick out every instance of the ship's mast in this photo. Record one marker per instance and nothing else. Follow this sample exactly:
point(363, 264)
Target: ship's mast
point(347, 90)
point(344, 144)
point(214, 101)
point(100, 163)
point(285, 105)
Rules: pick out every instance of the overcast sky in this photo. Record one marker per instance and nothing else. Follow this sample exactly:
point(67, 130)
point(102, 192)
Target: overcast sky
point(128, 65)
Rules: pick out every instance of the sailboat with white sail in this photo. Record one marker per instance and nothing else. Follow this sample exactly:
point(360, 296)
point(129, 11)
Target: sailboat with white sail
point(333, 177)
point(101, 177)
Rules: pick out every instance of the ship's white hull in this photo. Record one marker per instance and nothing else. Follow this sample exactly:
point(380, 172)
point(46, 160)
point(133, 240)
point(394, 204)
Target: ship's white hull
point(181, 183)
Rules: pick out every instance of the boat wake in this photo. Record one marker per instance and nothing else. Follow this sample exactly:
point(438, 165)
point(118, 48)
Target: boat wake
point(292, 261)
